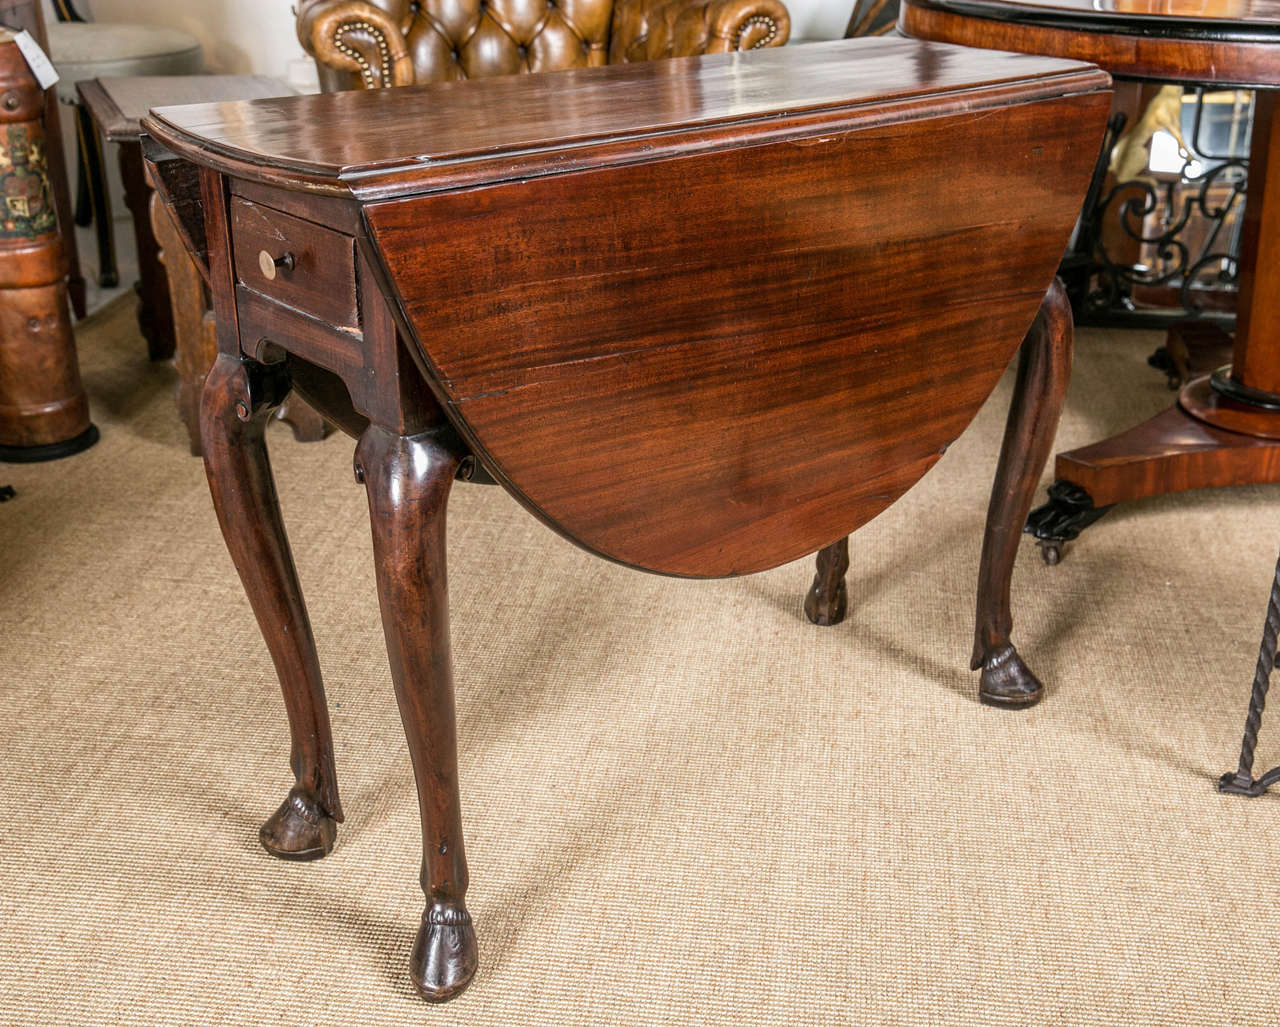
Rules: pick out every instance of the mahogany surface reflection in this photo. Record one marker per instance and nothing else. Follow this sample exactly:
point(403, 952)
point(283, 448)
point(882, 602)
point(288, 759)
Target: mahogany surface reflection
point(653, 320)
point(1174, 40)
point(702, 316)
point(1235, 17)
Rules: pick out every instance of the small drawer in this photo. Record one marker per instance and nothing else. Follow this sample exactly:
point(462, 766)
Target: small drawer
point(295, 262)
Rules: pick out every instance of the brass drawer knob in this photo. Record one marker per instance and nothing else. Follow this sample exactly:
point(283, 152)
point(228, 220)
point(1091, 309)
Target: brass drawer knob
point(268, 264)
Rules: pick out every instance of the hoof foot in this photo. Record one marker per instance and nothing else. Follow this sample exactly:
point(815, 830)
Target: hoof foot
point(300, 829)
point(824, 608)
point(445, 955)
point(1007, 682)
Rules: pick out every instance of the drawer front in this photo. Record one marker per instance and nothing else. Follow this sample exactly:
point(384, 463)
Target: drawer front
point(295, 262)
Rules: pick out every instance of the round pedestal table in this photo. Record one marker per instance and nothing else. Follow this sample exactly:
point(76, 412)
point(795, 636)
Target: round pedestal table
point(1225, 427)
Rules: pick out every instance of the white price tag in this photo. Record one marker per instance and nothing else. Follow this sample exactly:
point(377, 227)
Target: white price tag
point(41, 67)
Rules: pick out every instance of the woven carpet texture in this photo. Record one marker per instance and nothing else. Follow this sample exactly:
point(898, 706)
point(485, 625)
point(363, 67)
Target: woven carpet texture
point(683, 803)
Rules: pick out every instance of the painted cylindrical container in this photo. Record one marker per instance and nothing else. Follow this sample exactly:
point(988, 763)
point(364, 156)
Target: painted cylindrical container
point(44, 412)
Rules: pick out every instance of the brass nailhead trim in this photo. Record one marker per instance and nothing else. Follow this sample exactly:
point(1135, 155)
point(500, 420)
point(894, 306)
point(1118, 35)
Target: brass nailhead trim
point(384, 51)
point(759, 19)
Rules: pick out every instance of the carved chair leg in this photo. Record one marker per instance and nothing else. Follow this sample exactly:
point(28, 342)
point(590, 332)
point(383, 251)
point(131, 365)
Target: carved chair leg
point(1044, 366)
point(408, 480)
point(238, 400)
point(828, 598)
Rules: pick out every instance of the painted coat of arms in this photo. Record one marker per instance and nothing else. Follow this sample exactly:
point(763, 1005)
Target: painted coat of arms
point(24, 184)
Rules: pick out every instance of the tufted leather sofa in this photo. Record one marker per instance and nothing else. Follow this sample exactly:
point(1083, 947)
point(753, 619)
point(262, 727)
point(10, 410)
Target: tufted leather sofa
point(379, 43)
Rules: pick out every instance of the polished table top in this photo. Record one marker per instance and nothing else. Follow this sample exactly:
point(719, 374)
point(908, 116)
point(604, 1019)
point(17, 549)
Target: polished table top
point(1223, 431)
point(712, 287)
point(703, 316)
point(1225, 42)
point(416, 138)
point(1238, 18)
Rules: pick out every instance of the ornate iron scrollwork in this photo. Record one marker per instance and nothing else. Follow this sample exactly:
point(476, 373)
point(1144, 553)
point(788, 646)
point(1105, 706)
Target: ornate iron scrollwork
point(1136, 201)
point(1105, 292)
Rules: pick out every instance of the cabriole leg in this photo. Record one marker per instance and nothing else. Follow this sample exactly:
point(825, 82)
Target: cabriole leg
point(1044, 365)
point(238, 399)
point(408, 480)
point(828, 598)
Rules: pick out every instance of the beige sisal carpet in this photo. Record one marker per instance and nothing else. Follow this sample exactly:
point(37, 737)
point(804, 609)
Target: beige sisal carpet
point(683, 803)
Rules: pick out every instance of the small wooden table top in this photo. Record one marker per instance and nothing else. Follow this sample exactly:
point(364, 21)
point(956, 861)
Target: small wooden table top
point(1225, 42)
point(119, 103)
point(702, 316)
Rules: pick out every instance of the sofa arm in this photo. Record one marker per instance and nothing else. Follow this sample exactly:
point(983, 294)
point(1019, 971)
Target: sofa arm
point(357, 43)
point(645, 30)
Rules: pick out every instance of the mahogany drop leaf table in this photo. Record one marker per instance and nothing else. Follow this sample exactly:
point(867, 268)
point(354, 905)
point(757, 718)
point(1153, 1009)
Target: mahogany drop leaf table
point(701, 316)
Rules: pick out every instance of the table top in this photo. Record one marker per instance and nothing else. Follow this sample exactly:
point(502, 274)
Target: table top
point(1238, 18)
point(1223, 42)
point(119, 103)
point(418, 138)
point(702, 315)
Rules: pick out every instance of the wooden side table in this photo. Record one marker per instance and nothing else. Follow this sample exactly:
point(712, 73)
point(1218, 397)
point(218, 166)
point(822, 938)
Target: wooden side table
point(700, 316)
point(172, 306)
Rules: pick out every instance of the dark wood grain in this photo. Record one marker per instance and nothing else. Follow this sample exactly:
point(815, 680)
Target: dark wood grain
point(408, 480)
point(178, 184)
point(827, 600)
point(196, 344)
point(1178, 41)
point(1232, 19)
point(320, 275)
point(1044, 368)
point(701, 319)
point(238, 399)
point(1171, 452)
point(155, 311)
point(123, 101)
point(381, 143)
point(1200, 399)
point(666, 317)
point(1256, 357)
